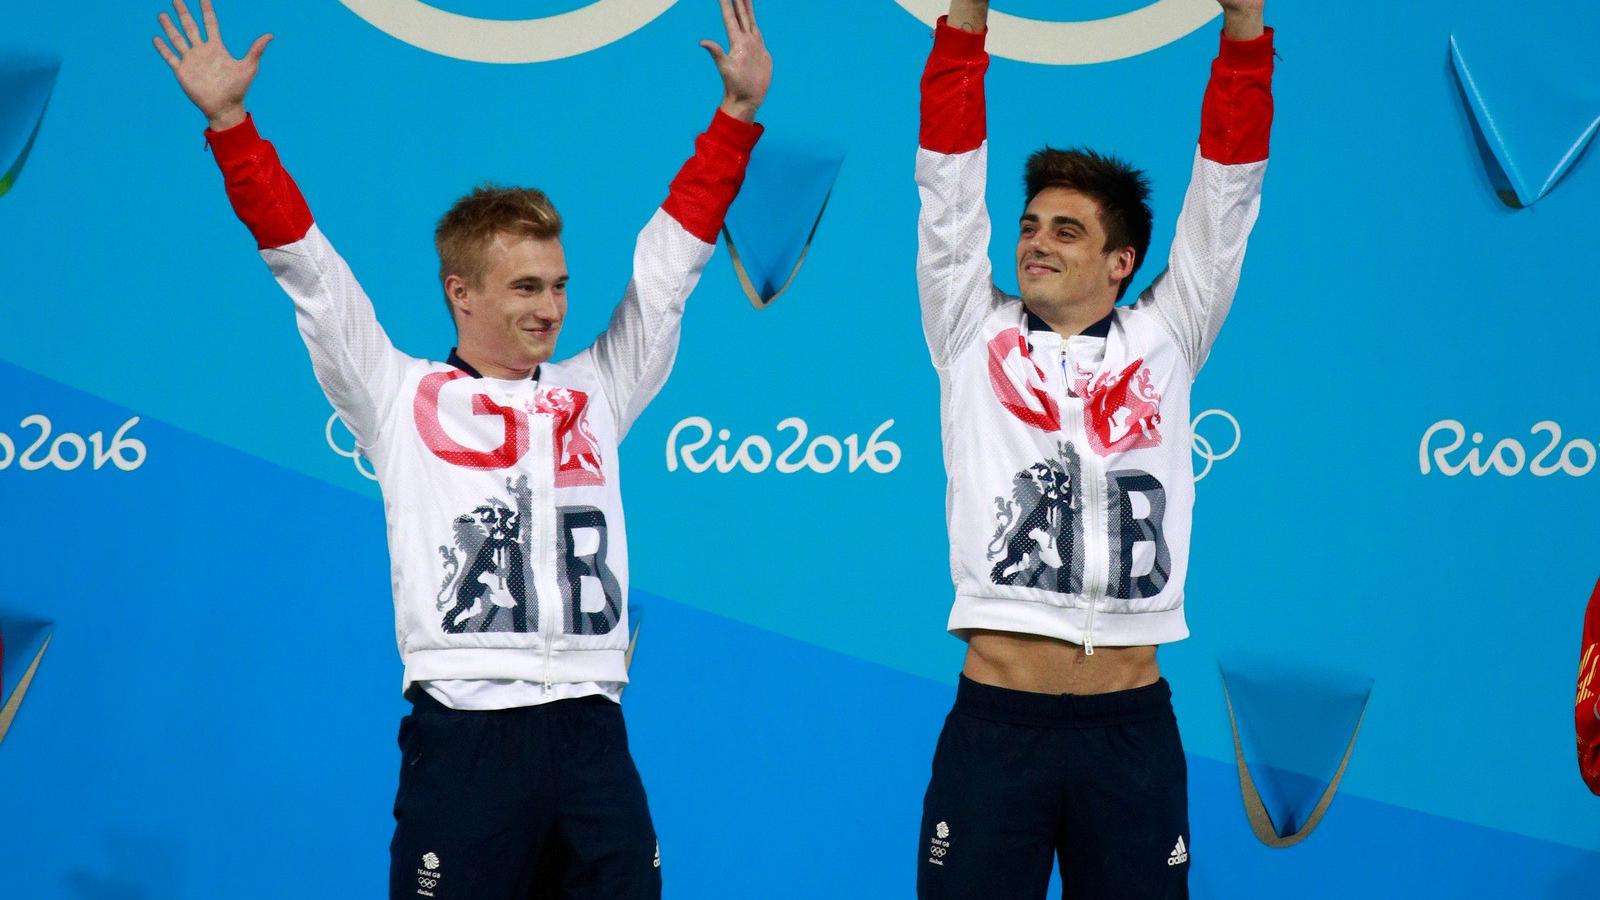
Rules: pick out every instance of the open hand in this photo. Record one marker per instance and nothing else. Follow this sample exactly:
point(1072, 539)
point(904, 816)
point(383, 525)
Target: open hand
point(214, 81)
point(746, 66)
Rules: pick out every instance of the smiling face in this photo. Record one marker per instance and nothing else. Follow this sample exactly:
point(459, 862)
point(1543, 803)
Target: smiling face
point(1084, 234)
point(508, 320)
point(1063, 264)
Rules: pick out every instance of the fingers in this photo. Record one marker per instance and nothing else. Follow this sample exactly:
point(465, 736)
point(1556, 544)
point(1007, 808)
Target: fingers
point(189, 26)
point(717, 56)
point(178, 43)
point(166, 53)
point(750, 16)
point(253, 55)
point(730, 20)
point(209, 15)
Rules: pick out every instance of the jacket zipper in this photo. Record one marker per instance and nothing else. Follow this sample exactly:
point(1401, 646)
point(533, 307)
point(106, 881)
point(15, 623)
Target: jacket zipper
point(1094, 503)
point(540, 428)
point(546, 541)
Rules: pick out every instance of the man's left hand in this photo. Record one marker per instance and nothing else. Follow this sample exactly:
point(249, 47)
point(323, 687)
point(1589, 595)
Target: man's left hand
point(746, 66)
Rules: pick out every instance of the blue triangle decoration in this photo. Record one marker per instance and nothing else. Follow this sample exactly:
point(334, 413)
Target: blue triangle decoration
point(26, 81)
point(1534, 113)
point(635, 617)
point(770, 226)
point(1294, 733)
point(22, 647)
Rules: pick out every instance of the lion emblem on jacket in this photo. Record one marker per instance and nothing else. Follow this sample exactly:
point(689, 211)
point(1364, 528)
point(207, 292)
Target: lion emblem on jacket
point(577, 450)
point(1040, 529)
point(488, 576)
point(1121, 410)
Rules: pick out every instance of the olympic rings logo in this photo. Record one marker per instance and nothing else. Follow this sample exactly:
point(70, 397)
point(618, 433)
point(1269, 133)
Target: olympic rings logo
point(1203, 447)
point(362, 464)
point(607, 21)
point(427, 883)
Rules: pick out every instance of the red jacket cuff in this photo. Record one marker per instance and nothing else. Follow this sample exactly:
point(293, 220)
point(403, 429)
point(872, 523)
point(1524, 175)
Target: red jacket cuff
point(232, 143)
point(954, 111)
point(1253, 53)
point(949, 40)
point(1236, 119)
point(710, 180)
point(737, 135)
point(263, 195)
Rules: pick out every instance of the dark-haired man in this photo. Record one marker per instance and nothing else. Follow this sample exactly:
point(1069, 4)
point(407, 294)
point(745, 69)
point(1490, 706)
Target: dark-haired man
point(499, 475)
point(1067, 446)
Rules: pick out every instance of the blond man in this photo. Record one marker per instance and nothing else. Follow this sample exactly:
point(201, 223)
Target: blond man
point(499, 473)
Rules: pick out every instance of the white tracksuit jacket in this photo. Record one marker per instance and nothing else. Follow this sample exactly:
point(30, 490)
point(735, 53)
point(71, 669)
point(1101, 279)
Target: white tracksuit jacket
point(509, 558)
point(1071, 485)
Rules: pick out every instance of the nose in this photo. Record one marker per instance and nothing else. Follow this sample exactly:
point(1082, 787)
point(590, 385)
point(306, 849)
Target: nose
point(547, 307)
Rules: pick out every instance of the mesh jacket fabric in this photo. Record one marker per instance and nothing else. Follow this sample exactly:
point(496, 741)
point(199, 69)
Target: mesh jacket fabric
point(1070, 485)
point(506, 532)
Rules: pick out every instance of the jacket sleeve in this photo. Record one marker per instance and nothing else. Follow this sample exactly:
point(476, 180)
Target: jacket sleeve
point(634, 355)
point(1193, 295)
point(351, 355)
point(1587, 712)
point(954, 278)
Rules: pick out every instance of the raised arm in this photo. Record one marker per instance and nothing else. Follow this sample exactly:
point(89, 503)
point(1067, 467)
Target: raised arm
point(954, 279)
point(351, 354)
point(1195, 293)
point(635, 354)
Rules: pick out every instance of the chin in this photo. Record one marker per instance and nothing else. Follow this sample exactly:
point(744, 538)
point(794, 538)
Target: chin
point(1036, 298)
point(541, 354)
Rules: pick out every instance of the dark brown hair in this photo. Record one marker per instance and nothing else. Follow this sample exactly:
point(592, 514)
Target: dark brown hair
point(1121, 191)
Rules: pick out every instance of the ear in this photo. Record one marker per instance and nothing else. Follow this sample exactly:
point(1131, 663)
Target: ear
point(455, 290)
point(1122, 263)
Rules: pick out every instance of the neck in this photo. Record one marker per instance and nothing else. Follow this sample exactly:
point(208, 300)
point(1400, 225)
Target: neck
point(1072, 319)
point(488, 368)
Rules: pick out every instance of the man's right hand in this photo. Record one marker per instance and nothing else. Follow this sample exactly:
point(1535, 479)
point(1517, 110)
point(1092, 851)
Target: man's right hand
point(214, 81)
point(969, 15)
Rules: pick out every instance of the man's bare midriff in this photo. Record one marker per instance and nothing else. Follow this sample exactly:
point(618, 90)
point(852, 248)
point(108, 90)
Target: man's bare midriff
point(1029, 662)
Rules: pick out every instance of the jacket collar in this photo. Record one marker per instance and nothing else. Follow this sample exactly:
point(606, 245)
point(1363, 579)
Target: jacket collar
point(1100, 329)
point(456, 360)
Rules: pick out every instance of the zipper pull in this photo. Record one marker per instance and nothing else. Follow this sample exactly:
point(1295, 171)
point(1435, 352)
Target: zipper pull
point(547, 686)
point(1088, 644)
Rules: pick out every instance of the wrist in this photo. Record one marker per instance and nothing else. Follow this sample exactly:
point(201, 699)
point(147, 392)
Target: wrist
point(1242, 26)
point(226, 118)
point(971, 17)
point(743, 110)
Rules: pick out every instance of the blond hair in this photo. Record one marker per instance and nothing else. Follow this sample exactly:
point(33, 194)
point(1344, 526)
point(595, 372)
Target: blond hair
point(465, 232)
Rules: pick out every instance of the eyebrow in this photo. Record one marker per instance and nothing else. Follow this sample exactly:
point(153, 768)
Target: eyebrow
point(1056, 221)
point(538, 281)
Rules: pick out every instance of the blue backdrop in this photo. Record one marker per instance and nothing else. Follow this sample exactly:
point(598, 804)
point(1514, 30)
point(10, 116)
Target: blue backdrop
point(1404, 381)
